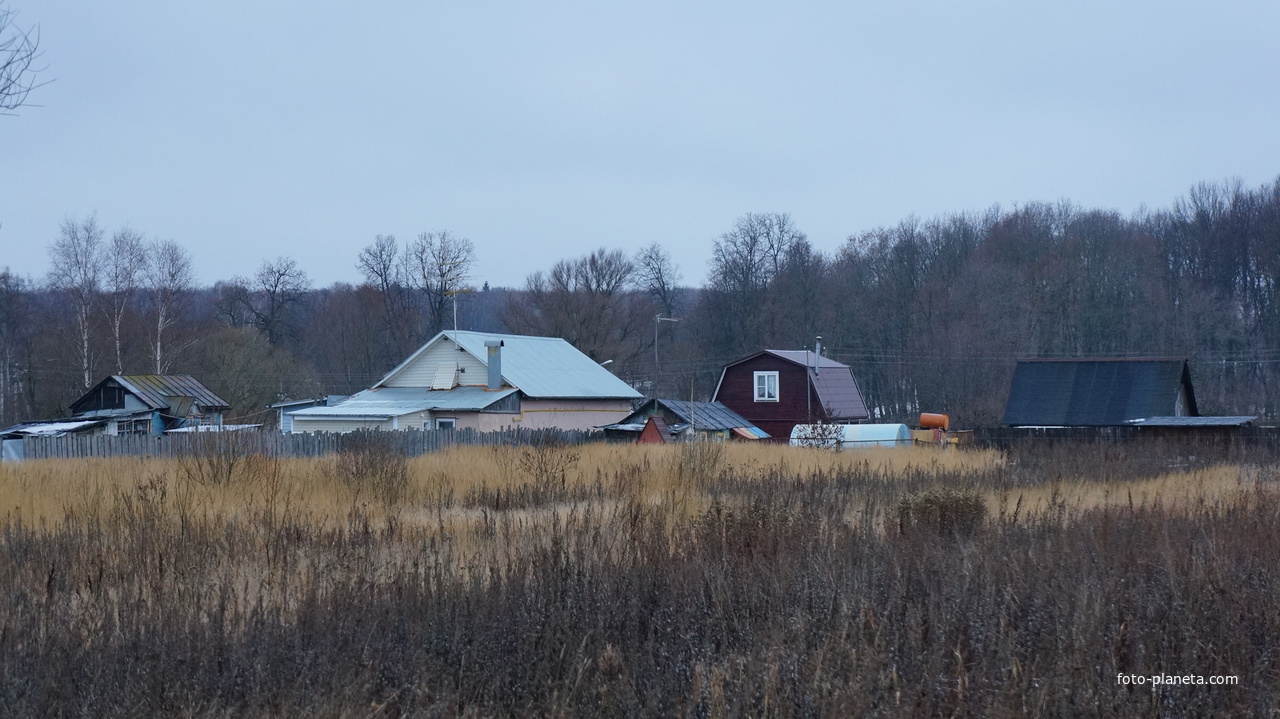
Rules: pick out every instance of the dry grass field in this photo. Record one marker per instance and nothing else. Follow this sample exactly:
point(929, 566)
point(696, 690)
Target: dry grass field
point(610, 580)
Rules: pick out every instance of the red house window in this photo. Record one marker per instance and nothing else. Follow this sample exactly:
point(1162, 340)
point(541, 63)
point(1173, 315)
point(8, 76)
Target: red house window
point(766, 386)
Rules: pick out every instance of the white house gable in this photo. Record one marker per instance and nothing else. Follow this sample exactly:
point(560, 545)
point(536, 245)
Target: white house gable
point(435, 364)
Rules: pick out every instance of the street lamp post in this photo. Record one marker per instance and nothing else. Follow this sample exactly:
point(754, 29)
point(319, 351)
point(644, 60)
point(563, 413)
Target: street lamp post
point(656, 319)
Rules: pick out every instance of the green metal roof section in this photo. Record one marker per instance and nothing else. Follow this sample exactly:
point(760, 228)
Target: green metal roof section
point(1096, 392)
point(540, 367)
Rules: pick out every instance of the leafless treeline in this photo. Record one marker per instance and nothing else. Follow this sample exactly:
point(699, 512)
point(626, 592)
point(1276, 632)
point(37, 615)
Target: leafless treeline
point(930, 313)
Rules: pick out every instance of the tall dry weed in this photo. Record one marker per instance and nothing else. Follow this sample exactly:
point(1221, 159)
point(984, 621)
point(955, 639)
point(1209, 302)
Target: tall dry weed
point(778, 595)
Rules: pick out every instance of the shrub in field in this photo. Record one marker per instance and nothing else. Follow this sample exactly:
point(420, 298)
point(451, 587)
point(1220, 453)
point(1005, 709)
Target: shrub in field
point(548, 464)
point(819, 436)
point(698, 460)
point(945, 511)
point(216, 458)
point(370, 464)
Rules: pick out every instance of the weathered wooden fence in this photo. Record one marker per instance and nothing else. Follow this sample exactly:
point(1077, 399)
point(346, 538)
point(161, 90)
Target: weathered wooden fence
point(411, 442)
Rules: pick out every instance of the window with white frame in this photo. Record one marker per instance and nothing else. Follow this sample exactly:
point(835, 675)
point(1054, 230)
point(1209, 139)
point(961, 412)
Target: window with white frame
point(133, 426)
point(446, 423)
point(766, 386)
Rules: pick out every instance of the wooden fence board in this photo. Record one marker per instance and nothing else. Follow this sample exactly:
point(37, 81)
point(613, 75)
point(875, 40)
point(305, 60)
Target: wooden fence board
point(412, 442)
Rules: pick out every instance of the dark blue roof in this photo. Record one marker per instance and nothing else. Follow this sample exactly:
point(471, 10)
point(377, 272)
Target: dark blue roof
point(1097, 392)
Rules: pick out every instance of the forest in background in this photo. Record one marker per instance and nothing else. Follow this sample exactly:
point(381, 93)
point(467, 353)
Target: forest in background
point(931, 314)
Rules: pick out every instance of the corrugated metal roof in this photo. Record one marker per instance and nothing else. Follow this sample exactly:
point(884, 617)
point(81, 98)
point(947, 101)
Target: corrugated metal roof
point(1096, 392)
point(157, 390)
point(540, 367)
point(387, 402)
point(50, 429)
point(205, 428)
point(1228, 421)
point(704, 415)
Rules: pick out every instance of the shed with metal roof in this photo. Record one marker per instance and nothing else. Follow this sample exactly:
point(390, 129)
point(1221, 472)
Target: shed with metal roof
point(150, 404)
point(681, 416)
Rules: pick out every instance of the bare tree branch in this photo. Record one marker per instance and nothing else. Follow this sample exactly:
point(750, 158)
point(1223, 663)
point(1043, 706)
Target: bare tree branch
point(19, 51)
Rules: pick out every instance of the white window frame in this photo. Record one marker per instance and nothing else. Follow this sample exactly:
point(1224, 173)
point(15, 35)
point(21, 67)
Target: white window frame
point(761, 390)
point(446, 423)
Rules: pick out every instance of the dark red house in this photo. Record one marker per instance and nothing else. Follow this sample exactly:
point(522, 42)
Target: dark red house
point(778, 389)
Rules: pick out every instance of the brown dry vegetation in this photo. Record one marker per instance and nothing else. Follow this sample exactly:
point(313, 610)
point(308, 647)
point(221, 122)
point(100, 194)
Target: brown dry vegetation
point(663, 581)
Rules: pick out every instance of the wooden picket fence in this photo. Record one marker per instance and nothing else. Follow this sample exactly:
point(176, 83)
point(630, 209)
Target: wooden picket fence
point(412, 442)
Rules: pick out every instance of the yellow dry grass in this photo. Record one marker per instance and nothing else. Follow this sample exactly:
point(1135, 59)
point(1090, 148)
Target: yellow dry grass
point(49, 490)
point(1213, 485)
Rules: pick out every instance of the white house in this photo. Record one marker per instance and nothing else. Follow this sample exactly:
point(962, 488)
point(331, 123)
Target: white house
point(482, 381)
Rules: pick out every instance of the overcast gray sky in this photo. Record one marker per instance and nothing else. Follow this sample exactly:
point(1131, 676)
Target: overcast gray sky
point(543, 130)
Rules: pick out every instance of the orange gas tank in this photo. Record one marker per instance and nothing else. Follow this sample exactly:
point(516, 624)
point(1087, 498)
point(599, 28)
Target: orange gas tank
point(934, 421)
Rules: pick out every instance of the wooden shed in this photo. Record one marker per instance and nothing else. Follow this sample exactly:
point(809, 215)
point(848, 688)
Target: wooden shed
point(655, 432)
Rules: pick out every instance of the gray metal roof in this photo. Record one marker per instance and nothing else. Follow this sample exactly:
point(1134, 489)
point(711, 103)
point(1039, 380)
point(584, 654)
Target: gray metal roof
point(704, 415)
point(1228, 421)
point(833, 382)
point(55, 428)
point(538, 366)
point(159, 390)
point(387, 402)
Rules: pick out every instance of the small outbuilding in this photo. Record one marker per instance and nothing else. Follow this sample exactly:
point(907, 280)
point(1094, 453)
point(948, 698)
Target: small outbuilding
point(655, 432)
point(149, 404)
point(709, 420)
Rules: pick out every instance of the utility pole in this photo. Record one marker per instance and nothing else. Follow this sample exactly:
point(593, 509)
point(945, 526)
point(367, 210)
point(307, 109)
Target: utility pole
point(656, 319)
point(454, 295)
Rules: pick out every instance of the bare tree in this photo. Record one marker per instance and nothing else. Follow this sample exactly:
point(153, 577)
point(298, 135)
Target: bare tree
point(281, 286)
point(269, 302)
point(589, 302)
point(77, 273)
point(385, 269)
point(743, 264)
point(19, 50)
point(168, 279)
point(124, 261)
point(438, 264)
point(233, 302)
point(380, 263)
point(14, 327)
point(659, 276)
